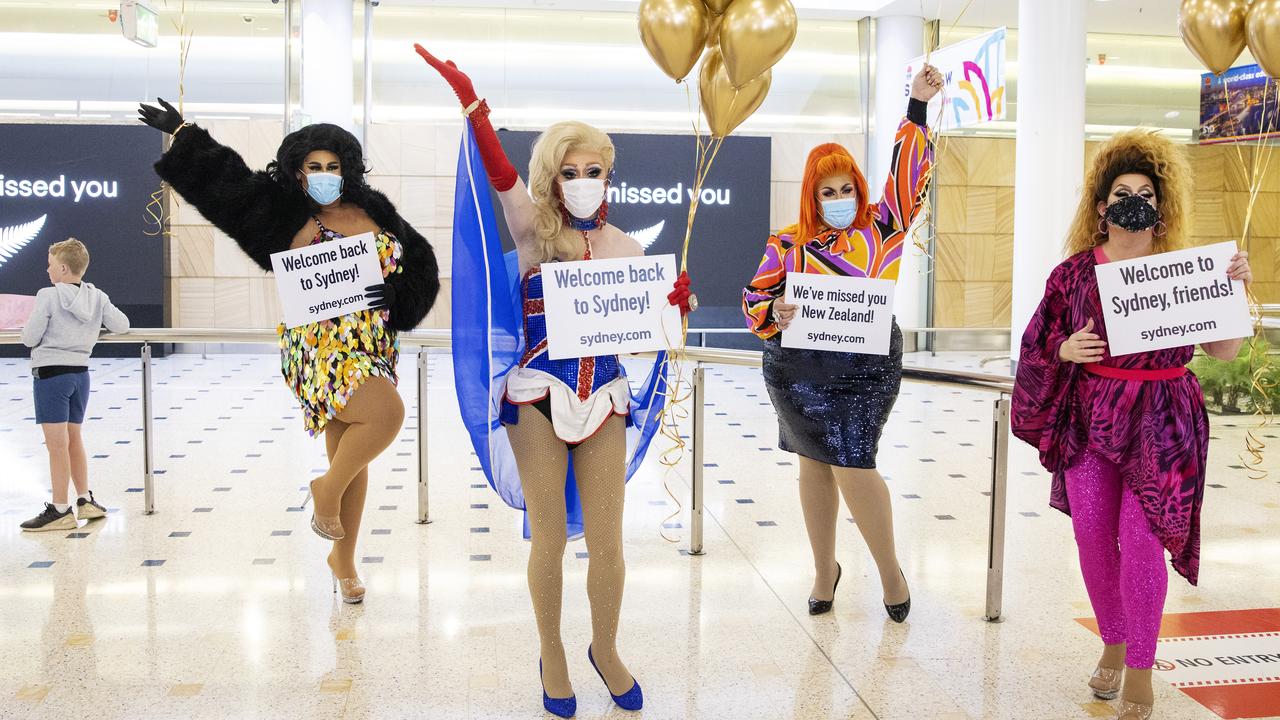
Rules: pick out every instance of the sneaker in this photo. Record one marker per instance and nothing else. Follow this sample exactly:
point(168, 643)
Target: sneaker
point(89, 509)
point(51, 519)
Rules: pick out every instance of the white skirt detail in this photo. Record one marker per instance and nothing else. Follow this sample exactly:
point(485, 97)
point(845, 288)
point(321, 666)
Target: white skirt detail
point(572, 419)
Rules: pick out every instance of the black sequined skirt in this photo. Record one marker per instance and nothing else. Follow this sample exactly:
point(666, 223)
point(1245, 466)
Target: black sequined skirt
point(832, 406)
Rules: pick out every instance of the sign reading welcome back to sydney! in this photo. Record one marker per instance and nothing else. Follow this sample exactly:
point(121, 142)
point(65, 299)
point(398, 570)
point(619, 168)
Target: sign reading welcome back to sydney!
point(92, 182)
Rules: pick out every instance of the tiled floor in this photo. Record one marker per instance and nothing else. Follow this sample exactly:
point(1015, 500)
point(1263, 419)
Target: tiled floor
point(219, 605)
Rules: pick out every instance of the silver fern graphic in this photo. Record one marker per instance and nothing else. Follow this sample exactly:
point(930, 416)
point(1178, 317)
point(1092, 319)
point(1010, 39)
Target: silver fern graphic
point(16, 237)
point(649, 235)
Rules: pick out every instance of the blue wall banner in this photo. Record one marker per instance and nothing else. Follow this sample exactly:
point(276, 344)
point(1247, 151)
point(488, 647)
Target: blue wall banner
point(92, 182)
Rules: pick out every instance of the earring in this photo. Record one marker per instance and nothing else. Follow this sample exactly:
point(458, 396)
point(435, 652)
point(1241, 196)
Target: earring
point(1161, 229)
point(1102, 228)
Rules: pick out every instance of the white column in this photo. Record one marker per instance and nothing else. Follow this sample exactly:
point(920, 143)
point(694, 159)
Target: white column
point(1050, 145)
point(899, 39)
point(328, 65)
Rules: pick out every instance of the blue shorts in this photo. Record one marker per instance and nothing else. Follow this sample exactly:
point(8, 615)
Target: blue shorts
point(62, 398)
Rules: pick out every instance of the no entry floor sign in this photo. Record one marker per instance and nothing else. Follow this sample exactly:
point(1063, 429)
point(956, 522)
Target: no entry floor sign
point(1228, 661)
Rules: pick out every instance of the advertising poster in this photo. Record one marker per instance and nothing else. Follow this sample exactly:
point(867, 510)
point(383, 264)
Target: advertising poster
point(974, 87)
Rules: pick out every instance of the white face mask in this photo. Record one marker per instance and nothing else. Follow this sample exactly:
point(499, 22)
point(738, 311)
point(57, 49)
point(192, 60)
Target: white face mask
point(583, 197)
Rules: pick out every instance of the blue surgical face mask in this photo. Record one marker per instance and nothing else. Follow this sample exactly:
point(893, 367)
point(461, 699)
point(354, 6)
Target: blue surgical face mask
point(839, 214)
point(325, 188)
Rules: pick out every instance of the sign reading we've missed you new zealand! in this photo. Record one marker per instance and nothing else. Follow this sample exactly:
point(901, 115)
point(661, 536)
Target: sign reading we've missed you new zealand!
point(91, 182)
point(649, 200)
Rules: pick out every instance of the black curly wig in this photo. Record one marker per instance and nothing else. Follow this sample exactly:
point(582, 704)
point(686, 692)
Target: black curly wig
point(321, 136)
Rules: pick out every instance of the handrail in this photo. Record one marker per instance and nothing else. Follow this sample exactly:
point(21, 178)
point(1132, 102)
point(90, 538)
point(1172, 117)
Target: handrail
point(443, 339)
point(698, 356)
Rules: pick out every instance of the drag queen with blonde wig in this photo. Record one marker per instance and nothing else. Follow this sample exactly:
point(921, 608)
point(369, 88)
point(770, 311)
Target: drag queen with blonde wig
point(1125, 437)
point(566, 420)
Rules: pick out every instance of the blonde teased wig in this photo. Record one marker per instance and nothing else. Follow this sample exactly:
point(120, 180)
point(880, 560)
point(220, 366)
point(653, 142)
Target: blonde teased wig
point(1136, 151)
point(544, 168)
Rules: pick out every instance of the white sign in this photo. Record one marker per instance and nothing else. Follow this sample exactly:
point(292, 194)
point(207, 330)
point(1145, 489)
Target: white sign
point(326, 280)
point(1219, 659)
point(1172, 299)
point(842, 314)
point(974, 90)
point(606, 307)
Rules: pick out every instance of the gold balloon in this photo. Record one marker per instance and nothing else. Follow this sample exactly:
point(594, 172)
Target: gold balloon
point(755, 35)
point(713, 34)
point(674, 32)
point(1263, 31)
point(717, 6)
point(1214, 31)
point(725, 106)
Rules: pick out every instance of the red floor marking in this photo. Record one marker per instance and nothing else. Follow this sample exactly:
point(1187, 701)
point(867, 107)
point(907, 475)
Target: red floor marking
point(1255, 691)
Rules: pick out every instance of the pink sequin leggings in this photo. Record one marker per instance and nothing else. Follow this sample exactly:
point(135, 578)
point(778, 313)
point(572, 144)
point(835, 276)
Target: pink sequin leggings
point(1126, 581)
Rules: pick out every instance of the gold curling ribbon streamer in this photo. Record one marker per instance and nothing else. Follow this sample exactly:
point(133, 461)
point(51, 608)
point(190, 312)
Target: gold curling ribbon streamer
point(674, 410)
point(939, 142)
point(1260, 387)
point(155, 209)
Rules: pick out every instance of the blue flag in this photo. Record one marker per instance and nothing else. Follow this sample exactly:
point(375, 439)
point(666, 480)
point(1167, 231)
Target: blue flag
point(488, 341)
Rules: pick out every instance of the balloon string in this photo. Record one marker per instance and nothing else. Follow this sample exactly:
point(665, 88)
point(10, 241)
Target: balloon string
point(674, 410)
point(1260, 387)
point(928, 219)
point(156, 215)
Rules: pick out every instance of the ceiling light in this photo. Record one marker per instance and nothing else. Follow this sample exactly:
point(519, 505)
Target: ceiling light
point(1172, 114)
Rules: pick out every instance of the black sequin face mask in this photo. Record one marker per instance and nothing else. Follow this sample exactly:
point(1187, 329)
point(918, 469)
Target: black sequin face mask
point(1132, 213)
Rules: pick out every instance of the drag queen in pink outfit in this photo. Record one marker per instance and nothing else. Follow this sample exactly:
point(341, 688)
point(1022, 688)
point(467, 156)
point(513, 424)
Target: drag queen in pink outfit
point(1125, 437)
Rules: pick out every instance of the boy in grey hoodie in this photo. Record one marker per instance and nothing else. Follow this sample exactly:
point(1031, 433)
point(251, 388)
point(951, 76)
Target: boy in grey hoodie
point(61, 333)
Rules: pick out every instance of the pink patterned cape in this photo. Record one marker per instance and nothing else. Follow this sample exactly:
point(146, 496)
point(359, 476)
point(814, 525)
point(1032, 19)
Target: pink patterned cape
point(1156, 431)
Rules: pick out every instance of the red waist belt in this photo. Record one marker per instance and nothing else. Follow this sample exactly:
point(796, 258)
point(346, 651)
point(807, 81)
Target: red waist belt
point(1116, 373)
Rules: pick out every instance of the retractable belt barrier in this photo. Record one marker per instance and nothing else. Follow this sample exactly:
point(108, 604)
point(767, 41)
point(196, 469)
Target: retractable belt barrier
point(424, 340)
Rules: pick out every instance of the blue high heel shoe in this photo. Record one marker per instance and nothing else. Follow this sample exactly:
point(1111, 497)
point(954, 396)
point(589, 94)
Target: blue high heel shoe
point(632, 699)
point(560, 707)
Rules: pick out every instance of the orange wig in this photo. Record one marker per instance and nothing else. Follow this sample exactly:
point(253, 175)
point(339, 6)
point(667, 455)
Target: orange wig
point(824, 161)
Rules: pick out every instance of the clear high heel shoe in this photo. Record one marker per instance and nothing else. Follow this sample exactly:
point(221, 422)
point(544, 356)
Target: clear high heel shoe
point(329, 528)
point(1105, 683)
point(1134, 711)
point(352, 589)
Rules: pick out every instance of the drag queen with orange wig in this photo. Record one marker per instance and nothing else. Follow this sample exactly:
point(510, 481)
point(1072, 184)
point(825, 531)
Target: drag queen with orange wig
point(832, 406)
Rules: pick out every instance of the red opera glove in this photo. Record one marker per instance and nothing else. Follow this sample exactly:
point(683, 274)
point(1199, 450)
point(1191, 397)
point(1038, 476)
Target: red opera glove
point(681, 296)
point(502, 175)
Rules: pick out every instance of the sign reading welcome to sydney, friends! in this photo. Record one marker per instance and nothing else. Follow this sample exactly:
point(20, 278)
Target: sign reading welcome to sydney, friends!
point(1172, 299)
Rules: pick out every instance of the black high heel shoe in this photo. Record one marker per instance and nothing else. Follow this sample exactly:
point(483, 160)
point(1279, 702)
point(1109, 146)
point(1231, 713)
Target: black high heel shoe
point(822, 607)
point(899, 612)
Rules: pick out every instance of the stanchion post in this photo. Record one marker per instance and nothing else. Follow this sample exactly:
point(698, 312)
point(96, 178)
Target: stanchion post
point(699, 444)
point(148, 463)
point(999, 496)
point(423, 500)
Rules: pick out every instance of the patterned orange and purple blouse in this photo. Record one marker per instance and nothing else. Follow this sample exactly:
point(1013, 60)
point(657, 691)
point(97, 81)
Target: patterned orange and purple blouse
point(871, 252)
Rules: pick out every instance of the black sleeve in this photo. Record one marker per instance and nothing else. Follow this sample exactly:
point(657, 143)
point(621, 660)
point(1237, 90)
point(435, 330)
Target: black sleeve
point(418, 281)
point(918, 112)
point(248, 206)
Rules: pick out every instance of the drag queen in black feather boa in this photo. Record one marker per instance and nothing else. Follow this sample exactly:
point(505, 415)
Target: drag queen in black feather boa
point(342, 370)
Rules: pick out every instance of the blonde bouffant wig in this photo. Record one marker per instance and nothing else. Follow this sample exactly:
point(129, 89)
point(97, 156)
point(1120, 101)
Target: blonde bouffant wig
point(1136, 151)
point(550, 239)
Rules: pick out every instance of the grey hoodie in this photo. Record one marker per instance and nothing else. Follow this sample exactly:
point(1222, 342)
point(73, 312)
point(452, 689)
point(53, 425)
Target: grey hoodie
point(63, 328)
